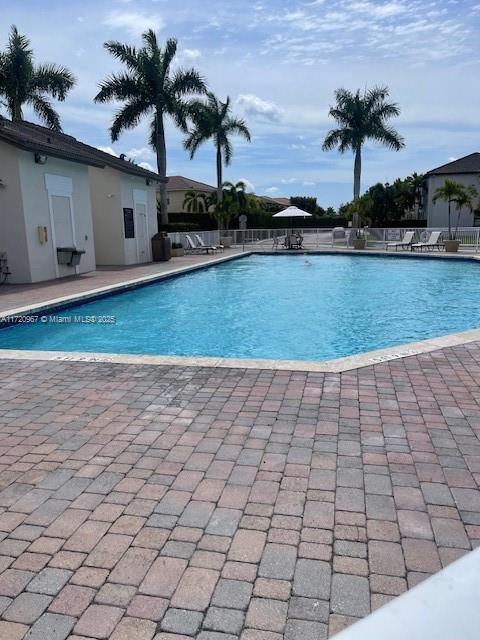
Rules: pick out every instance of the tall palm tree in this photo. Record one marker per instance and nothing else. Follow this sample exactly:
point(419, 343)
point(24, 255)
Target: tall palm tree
point(361, 117)
point(195, 201)
point(149, 87)
point(416, 184)
point(451, 192)
point(24, 83)
point(213, 120)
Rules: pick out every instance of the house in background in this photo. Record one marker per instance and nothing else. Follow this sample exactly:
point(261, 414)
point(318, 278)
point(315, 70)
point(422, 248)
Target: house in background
point(465, 171)
point(63, 202)
point(177, 187)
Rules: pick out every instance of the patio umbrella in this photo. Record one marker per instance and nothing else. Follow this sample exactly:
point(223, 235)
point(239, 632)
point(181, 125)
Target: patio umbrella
point(292, 212)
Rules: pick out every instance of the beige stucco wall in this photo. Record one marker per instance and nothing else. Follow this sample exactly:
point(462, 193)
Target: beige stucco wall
point(12, 223)
point(437, 213)
point(111, 192)
point(107, 216)
point(43, 257)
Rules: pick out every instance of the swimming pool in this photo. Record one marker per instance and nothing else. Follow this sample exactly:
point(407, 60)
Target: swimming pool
point(273, 307)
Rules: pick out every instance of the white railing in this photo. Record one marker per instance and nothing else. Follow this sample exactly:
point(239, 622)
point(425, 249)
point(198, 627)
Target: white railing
point(318, 238)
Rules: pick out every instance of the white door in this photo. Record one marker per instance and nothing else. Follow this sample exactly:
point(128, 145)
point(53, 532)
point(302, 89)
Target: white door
point(143, 254)
point(63, 230)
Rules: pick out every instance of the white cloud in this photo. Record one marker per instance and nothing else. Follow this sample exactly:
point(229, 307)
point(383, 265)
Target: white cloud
point(192, 53)
point(272, 190)
point(308, 183)
point(133, 22)
point(289, 180)
point(256, 107)
point(452, 159)
point(142, 153)
point(109, 150)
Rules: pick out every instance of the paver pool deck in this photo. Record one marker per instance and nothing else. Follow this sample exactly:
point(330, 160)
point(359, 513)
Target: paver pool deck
point(143, 501)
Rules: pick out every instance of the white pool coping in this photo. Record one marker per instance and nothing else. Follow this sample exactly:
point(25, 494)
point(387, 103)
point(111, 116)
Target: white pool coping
point(337, 365)
point(443, 607)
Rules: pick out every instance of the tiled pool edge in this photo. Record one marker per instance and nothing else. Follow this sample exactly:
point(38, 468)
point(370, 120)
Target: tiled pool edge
point(339, 365)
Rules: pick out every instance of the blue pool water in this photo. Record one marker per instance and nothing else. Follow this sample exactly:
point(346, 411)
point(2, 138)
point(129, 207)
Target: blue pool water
point(274, 307)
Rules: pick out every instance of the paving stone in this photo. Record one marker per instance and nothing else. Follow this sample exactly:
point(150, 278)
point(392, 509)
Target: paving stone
point(229, 621)
point(129, 628)
point(147, 607)
point(163, 577)
point(51, 626)
point(12, 630)
point(233, 594)
point(195, 589)
point(98, 621)
point(312, 579)
point(386, 558)
point(26, 608)
point(72, 600)
point(50, 581)
point(278, 561)
point(308, 609)
point(118, 595)
point(421, 555)
point(247, 546)
point(305, 630)
point(133, 567)
point(350, 595)
point(182, 621)
point(224, 522)
point(13, 582)
point(267, 615)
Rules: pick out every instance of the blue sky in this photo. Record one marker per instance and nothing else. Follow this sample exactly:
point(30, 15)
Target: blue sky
point(280, 63)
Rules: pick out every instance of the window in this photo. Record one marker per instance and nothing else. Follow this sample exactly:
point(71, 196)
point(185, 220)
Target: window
point(128, 222)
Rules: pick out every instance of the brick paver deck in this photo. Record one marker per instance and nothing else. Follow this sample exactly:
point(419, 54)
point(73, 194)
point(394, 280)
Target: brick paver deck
point(141, 502)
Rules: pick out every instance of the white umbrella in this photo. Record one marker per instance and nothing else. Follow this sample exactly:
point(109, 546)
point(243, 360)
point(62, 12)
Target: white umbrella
point(292, 212)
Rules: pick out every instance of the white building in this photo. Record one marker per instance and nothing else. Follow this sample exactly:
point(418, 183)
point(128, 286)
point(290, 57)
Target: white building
point(66, 207)
point(465, 171)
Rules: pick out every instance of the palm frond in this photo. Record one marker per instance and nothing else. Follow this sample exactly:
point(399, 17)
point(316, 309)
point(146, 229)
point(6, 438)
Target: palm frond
point(119, 86)
point(237, 126)
point(52, 79)
point(44, 110)
point(187, 81)
point(123, 52)
point(128, 117)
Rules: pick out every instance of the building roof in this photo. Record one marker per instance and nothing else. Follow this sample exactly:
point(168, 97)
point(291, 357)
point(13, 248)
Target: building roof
point(180, 183)
point(283, 202)
point(33, 137)
point(467, 164)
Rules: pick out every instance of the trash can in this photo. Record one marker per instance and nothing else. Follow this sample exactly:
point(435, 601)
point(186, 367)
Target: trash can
point(161, 247)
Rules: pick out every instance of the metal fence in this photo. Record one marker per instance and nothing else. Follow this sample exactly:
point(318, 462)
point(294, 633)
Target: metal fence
point(264, 239)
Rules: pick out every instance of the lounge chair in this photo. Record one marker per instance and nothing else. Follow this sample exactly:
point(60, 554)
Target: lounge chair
point(193, 248)
point(201, 243)
point(293, 241)
point(339, 233)
point(432, 242)
point(406, 241)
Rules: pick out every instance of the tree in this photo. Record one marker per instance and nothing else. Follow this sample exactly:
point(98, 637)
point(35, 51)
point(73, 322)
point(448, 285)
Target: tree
point(195, 201)
point(306, 203)
point(451, 192)
point(416, 184)
point(22, 82)
point(213, 120)
point(465, 200)
point(149, 87)
point(234, 200)
point(361, 117)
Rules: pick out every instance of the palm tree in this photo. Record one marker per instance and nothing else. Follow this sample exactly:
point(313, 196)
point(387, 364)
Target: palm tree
point(362, 117)
point(416, 183)
point(465, 199)
point(451, 192)
point(149, 87)
point(195, 201)
point(24, 83)
point(213, 120)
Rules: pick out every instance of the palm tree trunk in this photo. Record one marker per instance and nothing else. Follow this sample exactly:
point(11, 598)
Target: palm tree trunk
point(449, 221)
point(219, 179)
point(162, 166)
point(357, 172)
